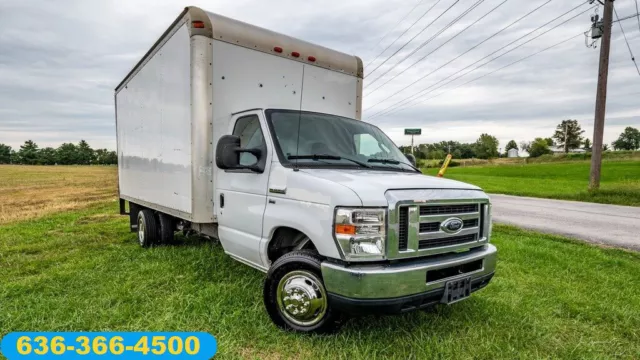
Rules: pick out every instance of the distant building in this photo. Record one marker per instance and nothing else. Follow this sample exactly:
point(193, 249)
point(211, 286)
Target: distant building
point(512, 153)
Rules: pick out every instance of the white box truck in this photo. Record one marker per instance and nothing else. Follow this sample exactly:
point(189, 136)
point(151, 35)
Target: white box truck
point(254, 138)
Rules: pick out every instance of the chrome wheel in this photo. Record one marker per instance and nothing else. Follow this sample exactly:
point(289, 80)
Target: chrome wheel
point(301, 298)
point(140, 229)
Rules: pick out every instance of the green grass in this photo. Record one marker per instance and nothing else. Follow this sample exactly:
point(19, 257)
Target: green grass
point(83, 270)
point(620, 182)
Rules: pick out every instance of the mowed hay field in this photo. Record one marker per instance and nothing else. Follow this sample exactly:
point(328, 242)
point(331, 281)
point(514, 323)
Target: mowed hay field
point(620, 182)
point(33, 191)
point(83, 270)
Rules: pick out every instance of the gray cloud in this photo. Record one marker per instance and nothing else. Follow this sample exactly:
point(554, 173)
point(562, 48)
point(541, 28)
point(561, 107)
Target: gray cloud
point(59, 63)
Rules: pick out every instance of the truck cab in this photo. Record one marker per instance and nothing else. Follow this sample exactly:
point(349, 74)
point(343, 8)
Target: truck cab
point(256, 139)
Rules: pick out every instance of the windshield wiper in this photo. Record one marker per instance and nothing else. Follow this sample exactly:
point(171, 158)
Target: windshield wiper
point(392, 161)
point(327, 157)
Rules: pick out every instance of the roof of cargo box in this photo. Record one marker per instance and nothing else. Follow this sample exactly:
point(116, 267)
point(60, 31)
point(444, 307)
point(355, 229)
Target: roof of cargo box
point(239, 33)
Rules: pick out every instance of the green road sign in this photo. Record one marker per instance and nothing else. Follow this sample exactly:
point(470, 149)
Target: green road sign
point(413, 131)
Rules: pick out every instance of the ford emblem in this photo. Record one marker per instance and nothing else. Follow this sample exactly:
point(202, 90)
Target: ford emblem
point(451, 225)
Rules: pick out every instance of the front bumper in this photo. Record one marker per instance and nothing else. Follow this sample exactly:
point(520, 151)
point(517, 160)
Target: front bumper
point(404, 286)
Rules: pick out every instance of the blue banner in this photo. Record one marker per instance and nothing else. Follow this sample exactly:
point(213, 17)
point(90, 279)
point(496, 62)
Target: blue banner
point(108, 345)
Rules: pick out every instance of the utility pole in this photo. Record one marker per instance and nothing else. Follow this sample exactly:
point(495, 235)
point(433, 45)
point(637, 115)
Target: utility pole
point(601, 97)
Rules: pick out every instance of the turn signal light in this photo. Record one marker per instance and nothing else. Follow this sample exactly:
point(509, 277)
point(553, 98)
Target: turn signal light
point(345, 229)
point(198, 24)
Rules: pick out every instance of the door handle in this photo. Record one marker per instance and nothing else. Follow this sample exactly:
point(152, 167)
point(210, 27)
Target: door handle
point(221, 200)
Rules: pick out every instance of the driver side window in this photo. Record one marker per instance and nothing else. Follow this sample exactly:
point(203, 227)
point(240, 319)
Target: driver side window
point(250, 133)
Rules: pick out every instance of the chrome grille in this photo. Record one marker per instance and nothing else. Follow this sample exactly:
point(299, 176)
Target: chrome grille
point(448, 209)
point(454, 240)
point(403, 228)
point(429, 233)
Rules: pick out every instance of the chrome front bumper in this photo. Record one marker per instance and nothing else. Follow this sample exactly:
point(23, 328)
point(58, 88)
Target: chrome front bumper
point(405, 279)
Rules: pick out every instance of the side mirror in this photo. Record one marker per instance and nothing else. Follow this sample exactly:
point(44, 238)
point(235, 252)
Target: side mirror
point(411, 158)
point(228, 153)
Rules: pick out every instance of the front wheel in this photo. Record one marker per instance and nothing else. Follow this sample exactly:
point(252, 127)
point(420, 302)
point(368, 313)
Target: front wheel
point(295, 296)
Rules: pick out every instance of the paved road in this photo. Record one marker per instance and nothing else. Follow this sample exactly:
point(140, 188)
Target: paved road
point(611, 225)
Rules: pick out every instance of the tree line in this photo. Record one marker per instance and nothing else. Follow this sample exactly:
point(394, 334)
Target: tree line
point(485, 147)
point(65, 154)
point(567, 136)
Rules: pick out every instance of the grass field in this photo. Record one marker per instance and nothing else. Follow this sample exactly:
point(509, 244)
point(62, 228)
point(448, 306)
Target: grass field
point(83, 270)
point(620, 180)
point(32, 191)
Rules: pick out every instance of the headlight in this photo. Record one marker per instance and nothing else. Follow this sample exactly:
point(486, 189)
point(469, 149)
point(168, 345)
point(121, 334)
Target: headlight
point(361, 232)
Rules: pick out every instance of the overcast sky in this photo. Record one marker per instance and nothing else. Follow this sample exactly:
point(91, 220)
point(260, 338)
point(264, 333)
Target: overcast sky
point(60, 61)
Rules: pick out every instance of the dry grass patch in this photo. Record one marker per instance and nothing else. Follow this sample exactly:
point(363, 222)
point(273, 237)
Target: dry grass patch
point(28, 192)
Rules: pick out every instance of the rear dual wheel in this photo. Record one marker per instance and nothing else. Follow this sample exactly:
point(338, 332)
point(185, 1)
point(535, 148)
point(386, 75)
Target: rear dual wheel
point(153, 230)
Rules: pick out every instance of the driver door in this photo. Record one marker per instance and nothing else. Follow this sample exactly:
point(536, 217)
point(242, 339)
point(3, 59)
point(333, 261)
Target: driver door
point(242, 194)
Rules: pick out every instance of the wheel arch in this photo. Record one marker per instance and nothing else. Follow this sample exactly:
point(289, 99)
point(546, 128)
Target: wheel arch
point(284, 239)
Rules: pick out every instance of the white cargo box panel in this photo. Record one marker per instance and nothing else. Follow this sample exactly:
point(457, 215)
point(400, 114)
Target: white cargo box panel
point(154, 128)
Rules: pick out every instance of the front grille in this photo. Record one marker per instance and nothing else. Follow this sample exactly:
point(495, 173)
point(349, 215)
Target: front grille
point(435, 226)
point(403, 227)
point(469, 223)
point(447, 241)
point(429, 227)
point(448, 209)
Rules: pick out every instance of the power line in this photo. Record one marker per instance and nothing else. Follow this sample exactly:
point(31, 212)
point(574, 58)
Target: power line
point(459, 56)
point(436, 49)
point(410, 40)
point(424, 43)
point(627, 41)
point(502, 68)
point(392, 29)
point(420, 93)
point(627, 17)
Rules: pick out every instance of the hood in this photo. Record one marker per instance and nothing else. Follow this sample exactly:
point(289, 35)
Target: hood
point(371, 185)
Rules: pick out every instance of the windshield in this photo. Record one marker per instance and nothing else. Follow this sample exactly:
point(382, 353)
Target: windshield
point(314, 139)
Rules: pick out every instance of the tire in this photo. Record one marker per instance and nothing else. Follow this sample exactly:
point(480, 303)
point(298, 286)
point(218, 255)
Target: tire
point(147, 228)
point(299, 272)
point(167, 229)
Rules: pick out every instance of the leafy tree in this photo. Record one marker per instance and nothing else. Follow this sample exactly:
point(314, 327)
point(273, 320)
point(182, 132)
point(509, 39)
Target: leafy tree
point(5, 154)
point(47, 156)
point(111, 158)
point(486, 147)
point(587, 144)
point(85, 153)
point(457, 154)
point(605, 147)
point(629, 139)
point(550, 141)
point(539, 147)
point(568, 135)
point(525, 145)
point(67, 154)
point(511, 145)
point(28, 153)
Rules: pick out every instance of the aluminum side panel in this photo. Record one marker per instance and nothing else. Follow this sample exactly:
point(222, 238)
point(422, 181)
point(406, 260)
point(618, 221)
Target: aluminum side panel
point(330, 92)
point(246, 79)
point(154, 130)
